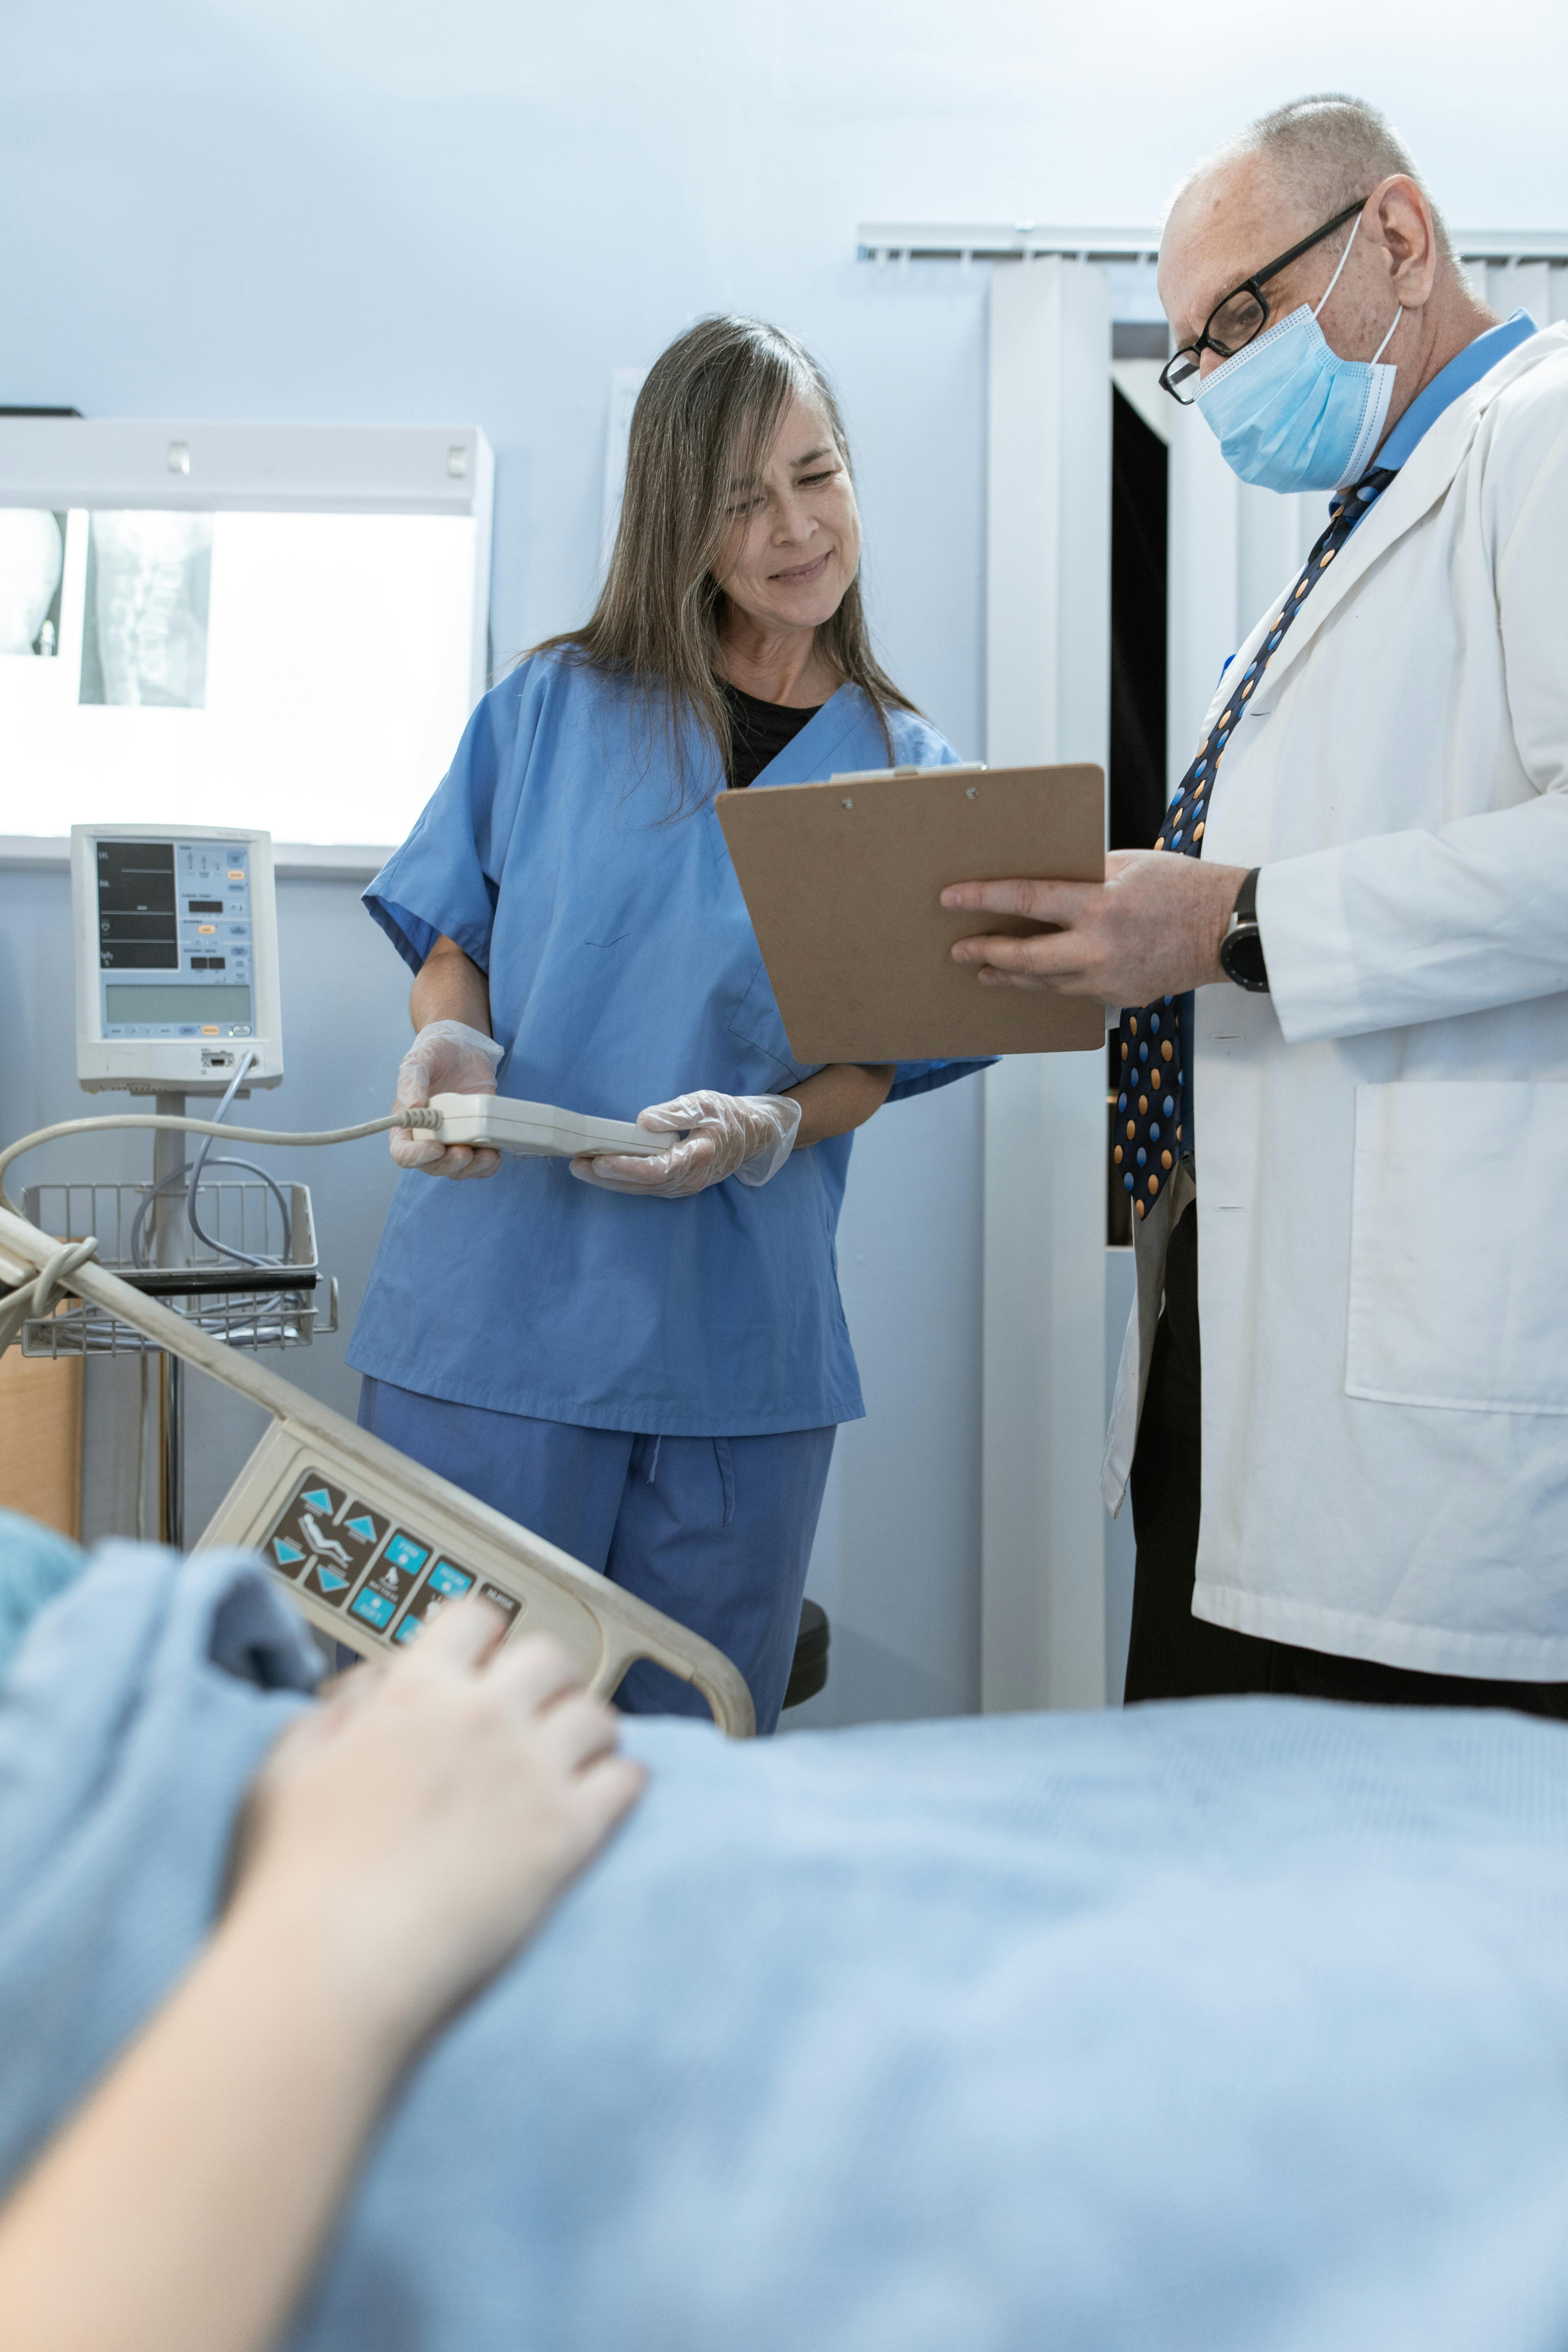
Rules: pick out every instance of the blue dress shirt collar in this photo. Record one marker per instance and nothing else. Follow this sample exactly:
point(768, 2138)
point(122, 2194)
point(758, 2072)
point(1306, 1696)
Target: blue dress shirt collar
point(1468, 367)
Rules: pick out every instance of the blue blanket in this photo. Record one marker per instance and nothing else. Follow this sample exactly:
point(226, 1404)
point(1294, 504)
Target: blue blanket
point(1234, 2026)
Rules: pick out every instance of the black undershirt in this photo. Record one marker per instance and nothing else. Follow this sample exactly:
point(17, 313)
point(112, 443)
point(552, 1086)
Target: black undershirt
point(758, 733)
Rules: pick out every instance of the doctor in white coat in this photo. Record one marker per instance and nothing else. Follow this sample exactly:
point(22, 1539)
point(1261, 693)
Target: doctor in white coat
point(1347, 1028)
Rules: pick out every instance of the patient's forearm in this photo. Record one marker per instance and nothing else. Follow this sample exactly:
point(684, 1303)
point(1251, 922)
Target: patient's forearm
point(401, 1841)
point(152, 2224)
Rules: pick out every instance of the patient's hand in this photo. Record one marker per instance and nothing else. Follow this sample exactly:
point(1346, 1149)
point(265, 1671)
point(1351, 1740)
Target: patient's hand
point(416, 1826)
point(401, 1839)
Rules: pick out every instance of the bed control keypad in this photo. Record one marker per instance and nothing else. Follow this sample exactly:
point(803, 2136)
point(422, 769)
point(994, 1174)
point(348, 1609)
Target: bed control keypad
point(389, 1583)
point(350, 1556)
point(296, 1538)
point(507, 1603)
point(445, 1582)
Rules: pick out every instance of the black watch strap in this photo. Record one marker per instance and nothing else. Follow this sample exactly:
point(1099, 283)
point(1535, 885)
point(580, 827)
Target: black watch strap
point(1241, 950)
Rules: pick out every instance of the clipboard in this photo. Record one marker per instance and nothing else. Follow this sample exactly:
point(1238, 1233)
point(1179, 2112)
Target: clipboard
point(843, 882)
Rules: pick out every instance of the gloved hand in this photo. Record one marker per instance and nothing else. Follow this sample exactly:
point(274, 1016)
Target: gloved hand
point(447, 1057)
point(746, 1136)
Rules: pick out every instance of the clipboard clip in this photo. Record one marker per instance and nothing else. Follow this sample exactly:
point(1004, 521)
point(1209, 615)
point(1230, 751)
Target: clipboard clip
point(880, 775)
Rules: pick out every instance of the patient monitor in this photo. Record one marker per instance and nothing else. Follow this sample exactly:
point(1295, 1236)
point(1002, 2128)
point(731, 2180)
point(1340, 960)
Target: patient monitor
point(176, 958)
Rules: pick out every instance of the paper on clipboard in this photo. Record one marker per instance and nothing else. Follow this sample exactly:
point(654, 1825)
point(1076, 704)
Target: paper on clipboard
point(843, 882)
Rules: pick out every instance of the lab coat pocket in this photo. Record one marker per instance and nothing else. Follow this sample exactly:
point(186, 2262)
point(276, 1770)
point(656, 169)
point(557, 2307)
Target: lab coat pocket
point(1458, 1276)
point(759, 1022)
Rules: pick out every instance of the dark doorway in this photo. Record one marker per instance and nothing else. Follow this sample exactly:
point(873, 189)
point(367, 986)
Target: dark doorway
point(1138, 542)
point(1138, 535)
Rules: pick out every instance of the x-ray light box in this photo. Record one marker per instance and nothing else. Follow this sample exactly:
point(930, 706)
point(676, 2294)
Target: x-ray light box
point(286, 623)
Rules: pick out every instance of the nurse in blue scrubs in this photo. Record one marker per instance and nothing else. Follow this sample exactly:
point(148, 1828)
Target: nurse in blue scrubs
point(646, 1360)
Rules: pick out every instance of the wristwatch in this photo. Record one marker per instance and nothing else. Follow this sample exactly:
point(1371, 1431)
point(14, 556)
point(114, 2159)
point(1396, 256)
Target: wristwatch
point(1241, 949)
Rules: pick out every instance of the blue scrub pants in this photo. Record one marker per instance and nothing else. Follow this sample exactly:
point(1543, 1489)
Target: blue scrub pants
point(716, 1532)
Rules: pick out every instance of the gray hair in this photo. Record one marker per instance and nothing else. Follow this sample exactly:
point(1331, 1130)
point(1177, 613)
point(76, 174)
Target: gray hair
point(1328, 149)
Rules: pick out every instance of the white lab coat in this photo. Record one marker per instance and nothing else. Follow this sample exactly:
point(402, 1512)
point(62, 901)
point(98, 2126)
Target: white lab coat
point(1383, 1142)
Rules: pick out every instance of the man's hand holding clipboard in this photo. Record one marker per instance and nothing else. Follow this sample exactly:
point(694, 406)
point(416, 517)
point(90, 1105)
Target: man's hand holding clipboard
point(1152, 929)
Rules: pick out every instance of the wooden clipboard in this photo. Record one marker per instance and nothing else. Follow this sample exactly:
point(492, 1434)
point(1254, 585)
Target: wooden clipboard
point(843, 882)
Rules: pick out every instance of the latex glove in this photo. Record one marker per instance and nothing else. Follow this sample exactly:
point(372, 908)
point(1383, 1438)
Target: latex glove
point(447, 1057)
point(746, 1136)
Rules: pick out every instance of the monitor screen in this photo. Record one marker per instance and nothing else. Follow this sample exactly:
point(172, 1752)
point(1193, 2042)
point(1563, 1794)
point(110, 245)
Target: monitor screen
point(146, 1004)
point(179, 906)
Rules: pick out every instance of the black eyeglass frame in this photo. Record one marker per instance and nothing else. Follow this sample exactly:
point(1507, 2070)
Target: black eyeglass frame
point(1253, 286)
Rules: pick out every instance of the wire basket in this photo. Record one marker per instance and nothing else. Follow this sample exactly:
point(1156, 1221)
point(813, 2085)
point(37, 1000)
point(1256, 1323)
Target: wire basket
point(279, 1305)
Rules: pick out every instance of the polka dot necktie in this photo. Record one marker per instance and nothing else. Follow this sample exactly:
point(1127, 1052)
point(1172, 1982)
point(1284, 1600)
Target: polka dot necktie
point(1151, 1108)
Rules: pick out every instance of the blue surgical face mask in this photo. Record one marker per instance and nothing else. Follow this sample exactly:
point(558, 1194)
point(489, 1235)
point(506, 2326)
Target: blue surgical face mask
point(1290, 414)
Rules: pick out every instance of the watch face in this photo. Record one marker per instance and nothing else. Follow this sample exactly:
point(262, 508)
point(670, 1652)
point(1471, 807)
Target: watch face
point(1241, 958)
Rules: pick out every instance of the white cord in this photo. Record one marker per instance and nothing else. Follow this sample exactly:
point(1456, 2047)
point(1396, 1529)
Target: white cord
point(32, 1300)
point(184, 1176)
point(160, 1119)
point(223, 1249)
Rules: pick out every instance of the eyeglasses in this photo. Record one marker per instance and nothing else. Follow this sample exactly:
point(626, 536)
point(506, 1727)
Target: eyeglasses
point(1244, 314)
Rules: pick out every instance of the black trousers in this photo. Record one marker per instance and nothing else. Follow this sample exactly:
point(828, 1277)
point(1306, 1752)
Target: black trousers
point(1173, 1653)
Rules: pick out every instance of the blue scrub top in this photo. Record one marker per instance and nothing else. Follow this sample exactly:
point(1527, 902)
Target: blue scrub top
point(622, 971)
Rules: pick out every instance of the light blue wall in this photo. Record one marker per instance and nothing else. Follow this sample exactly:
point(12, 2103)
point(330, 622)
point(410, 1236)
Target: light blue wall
point(379, 210)
point(376, 210)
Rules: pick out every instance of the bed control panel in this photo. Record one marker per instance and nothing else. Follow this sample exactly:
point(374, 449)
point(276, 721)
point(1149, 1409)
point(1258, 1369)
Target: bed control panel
point(370, 1546)
point(385, 1581)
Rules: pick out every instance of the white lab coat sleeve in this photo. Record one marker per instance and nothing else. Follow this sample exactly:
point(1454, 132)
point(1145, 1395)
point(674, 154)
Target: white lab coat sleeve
point(1406, 928)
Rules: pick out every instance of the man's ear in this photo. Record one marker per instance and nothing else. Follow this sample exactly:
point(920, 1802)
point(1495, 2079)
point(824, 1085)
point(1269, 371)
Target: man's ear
point(1401, 222)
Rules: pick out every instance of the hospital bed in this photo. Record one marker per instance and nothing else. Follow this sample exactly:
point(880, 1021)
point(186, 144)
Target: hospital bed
point(367, 1542)
point(1232, 2027)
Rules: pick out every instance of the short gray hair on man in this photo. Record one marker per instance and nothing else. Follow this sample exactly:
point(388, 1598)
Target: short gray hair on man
point(1329, 149)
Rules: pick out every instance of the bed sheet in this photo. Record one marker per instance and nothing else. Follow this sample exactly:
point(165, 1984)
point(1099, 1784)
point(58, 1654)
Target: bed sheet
point(1239, 2025)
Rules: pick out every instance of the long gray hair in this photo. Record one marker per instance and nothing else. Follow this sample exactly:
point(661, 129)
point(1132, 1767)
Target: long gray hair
point(704, 420)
